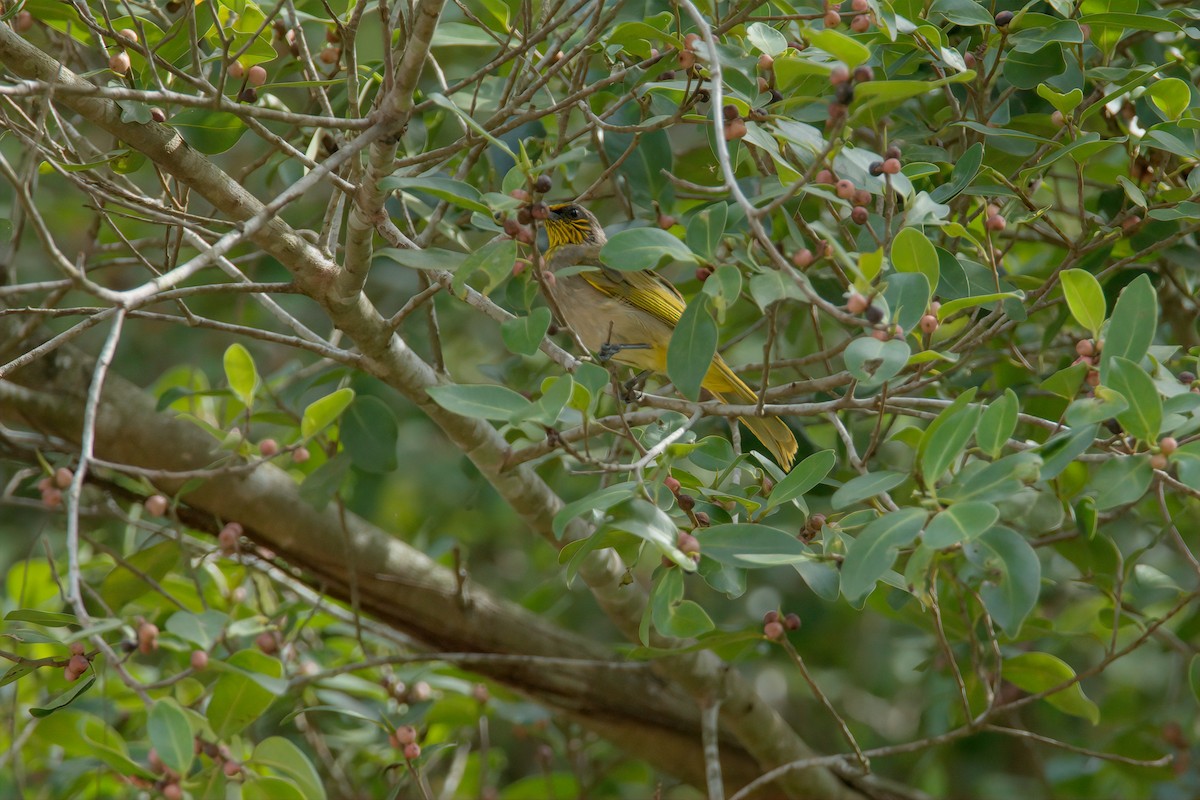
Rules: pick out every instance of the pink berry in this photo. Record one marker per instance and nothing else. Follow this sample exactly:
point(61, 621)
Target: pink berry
point(300, 455)
point(859, 6)
point(845, 189)
point(1084, 347)
point(120, 63)
point(860, 24)
point(412, 751)
point(803, 257)
point(256, 75)
point(672, 483)
point(840, 73)
point(237, 70)
point(199, 660)
point(891, 166)
point(268, 448)
point(832, 19)
point(63, 477)
point(156, 505)
point(995, 223)
point(773, 630)
point(1168, 444)
point(856, 303)
point(929, 323)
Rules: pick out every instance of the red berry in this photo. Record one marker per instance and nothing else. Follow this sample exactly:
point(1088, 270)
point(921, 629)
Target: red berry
point(891, 166)
point(672, 483)
point(256, 75)
point(412, 751)
point(540, 211)
point(1084, 347)
point(1057, 119)
point(1003, 18)
point(519, 194)
point(268, 448)
point(689, 544)
point(832, 19)
point(765, 62)
point(1168, 444)
point(119, 63)
point(172, 791)
point(300, 455)
point(229, 537)
point(803, 257)
point(863, 73)
point(156, 505)
point(691, 41)
point(825, 176)
point(128, 33)
point(845, 189)
point(995, 223)
point(63, 477)
point(735, 129)
point(859, 6)
point(860, 24)
point(77, 648)
point(773, 630)
point(792, 622)
point(199, 660)
point(52, 497)
point(929, 323)
point(686, 502)
point(859, 215)
point(330, 55)
point(79, 664)
point(703, 274)
point(231, 769)
point(248, 95)
point(770, 616)
point(543, 184)
point(405, 735)
point(158, 115)
point(666, 221)
point(236, 70)
point(267, 643)
point(1158, 461)
point(730, 112)
point(856, 303)
point(840, 73)
point(702, 519)
point(22, 22)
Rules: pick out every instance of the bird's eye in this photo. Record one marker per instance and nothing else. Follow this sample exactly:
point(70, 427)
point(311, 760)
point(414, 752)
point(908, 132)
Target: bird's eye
point(571, 212)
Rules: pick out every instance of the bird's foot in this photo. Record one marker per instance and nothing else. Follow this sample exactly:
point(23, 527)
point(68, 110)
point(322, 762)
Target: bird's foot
point(633, 387)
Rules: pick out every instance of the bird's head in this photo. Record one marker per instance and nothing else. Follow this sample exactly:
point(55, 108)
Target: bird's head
point(572, 224)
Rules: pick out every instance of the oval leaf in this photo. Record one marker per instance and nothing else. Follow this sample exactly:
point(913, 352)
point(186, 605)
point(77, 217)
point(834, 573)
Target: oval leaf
point(1085, 298)
point(960, 523)
point(693, 345)
point(803, 477)
point(325, 411)
point(913, 252)
point(874, 551)
point(482, 401)
point(643, 248)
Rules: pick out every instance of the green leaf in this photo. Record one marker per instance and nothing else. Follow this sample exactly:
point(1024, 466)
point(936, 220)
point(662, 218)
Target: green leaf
point(996, 481)
point(320, 485)
point(705, 230)
point(495, 260)
point(1131, 329)
point(1085, 298)
point(271, 788)
point(1062, 449)
point(1013, 576)
point(858, 489)
point(963, 12)
point(1194, 676)
point(171, 735)
point(947, 436)
point(960, 523)
point(1085, 516)
point(241, 374)
point(954, 306)
point(872, 362)
point(49, 619)
point(1064, 103)
point(1121, 480)
point(324, 411)
point(210, 132)
point(523, 335)
point(643, 248)
point(646, 521)
point(766, 39)
point(874, 551)
point(750, 546)
point(65, 699)
point(431, 258)
point(965, 170)
point(803, 477)
point(369, 432)
point(673, 615)
point(123, 585)
point(463, 195)
point(693, 345)
point(1143, 418)
point(1037, 672)
point(598, 500)
point(913, 252)
point(907, 295)
point(838, 45)
point(1066, 382)
point(997, 424)
point(284, 757)
point(237, 698)
point(481, 401)
point(201, 630)
point(1187, 462)
point(1027, 70)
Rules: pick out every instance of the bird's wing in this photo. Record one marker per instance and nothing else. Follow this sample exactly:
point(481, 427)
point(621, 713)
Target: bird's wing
point(644, 290)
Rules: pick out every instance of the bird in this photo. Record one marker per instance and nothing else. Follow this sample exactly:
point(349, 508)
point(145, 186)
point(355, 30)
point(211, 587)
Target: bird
point(630, 316)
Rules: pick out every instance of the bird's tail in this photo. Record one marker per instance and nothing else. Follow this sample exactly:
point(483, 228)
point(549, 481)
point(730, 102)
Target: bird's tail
point(773, 432)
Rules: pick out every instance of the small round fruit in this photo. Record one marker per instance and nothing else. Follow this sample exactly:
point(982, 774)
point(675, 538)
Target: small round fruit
point(672, 483)
point(730, 112)
point(156, 505)
point(1158, 461)
point(689, 544)
point(1084, 347)
point(172, 791)
point(256, 75)
point(995, 223)
point(691, 41)
point(825, 176)
point(792, 622)
point(666, 221)
point(63, 477)
point(236, 70)
point(540, 211)
point(267, 643)
point(874, 314)
point(543, 184)
point(199, 660)
point(832, 19)
point(158, 115)
point(1057, 119)
point(22, 22)
point(703, 274)
point(863, 73)
point(330, 55)
point(859, 6)
point(52, 497)
point(702, 519)
point(1093, 378)
point(687, 59)
point(412, 751)
point(892, 152)
point(770, 616)
point(1168, 445)
point(891, 166)
point(268, 448)
point(231, 769)
point(519, 194)
point(119, 63)
point(765, 62)
point(839, 74)
point(405, 735)
point(248, 95)
point(929, 323)
point(859, 215)
point(686, 502)
point(875, 168)
point(735, 130)
point(1003, 18)
point(803, 257)
point(856, 303)
point(79, 664)
point(860, 24)
point(845, 189)
point(969, 60)
point(773, 630)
